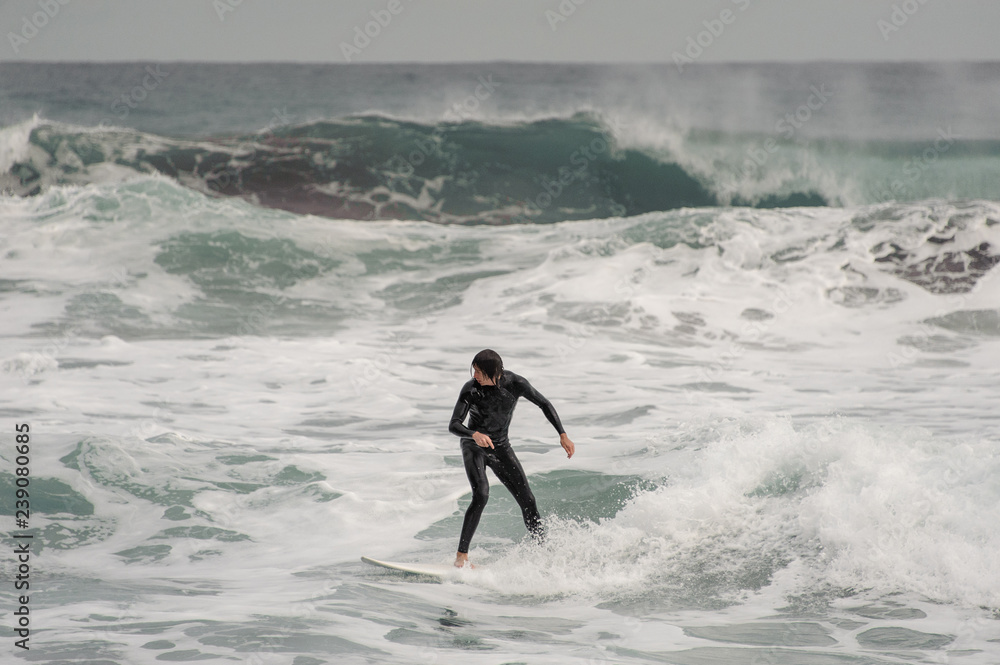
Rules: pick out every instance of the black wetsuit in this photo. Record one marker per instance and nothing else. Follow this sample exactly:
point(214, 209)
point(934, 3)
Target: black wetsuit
point(491, 408)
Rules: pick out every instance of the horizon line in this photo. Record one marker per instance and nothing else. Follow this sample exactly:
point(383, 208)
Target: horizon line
point(589, 63)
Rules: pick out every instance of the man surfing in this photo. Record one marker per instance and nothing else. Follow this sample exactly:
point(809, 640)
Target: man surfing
point(490, 397)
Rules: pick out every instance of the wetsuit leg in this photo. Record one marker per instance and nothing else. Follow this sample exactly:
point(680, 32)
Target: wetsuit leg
point(508, 469)
point(475, 468)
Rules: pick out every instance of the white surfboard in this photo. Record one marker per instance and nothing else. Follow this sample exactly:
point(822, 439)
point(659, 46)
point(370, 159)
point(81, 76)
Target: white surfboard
point(436, 570)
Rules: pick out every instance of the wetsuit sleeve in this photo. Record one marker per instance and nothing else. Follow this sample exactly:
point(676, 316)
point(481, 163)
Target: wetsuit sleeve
point(528, 391)
point(457, 426)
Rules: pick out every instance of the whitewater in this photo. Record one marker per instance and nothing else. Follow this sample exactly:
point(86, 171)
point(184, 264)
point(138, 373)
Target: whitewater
point(237, 320)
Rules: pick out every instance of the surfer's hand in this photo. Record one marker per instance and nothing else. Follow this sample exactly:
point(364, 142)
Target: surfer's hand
point(567, 444)
point(482, 440)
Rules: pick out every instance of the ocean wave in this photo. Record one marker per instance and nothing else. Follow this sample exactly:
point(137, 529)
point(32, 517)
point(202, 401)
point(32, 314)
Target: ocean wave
point(472, 172)
point(151, 258)
point(827, 511)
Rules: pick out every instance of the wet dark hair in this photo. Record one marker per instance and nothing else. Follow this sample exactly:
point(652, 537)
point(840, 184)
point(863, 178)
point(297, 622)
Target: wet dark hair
point(491, 364)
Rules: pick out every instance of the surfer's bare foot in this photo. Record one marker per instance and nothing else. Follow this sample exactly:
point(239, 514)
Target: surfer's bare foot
point(462, 560)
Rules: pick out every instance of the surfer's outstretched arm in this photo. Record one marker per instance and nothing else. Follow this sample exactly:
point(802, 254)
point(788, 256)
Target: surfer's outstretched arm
point(526, 390)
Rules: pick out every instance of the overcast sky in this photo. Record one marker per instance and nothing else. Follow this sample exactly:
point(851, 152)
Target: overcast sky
point(489, 30)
